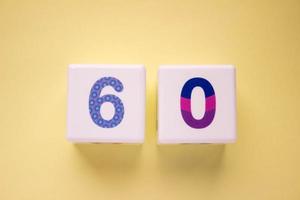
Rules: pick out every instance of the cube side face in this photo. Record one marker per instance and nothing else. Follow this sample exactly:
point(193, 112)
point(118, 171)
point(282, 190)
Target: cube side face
point(177, 122)
point(106, 103)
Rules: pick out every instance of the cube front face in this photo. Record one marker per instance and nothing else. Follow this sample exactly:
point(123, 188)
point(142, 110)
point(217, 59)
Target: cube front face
point(106, 103)
point(196, 104)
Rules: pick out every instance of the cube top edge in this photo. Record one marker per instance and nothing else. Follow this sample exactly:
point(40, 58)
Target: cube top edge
point(114, 66)
point(192, 66)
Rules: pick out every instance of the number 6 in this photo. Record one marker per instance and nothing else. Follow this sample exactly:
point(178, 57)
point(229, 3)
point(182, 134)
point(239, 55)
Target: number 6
point(95, 102)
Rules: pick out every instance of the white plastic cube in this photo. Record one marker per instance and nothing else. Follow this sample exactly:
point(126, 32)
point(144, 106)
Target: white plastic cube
point(196, 104)
point(106, 103)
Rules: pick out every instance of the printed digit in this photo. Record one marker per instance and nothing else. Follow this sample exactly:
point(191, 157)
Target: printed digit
point(96, 101)
point(210, 103)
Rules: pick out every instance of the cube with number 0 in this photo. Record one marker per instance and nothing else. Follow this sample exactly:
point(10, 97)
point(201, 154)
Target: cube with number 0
point(196, 104)
point(106, 103)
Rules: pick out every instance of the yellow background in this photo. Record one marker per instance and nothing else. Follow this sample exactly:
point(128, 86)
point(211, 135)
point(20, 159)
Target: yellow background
point(38, 39)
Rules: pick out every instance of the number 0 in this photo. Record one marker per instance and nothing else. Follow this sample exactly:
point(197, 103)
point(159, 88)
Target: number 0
point(96, 101)
point(210, 103)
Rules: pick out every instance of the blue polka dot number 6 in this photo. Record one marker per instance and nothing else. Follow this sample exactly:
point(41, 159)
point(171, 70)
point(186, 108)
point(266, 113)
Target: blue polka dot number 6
point(96, 101)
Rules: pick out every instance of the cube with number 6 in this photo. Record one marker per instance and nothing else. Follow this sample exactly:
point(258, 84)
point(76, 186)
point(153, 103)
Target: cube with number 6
point(196, 104)
point(106, 103)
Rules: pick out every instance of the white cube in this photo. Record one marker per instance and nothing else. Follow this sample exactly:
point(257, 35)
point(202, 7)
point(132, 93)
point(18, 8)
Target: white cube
point(196, 104)
point(106, 103)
